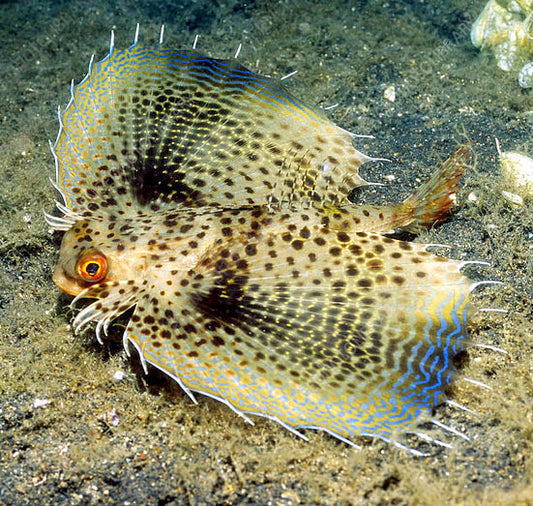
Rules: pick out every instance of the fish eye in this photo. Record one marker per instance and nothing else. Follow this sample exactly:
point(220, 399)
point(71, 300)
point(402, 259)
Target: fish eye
point(92, 266)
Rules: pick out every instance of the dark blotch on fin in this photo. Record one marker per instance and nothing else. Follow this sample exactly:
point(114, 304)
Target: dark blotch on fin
point(224, 301)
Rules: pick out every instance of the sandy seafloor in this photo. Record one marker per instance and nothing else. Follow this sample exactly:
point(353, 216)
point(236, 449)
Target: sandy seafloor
point(71, 434)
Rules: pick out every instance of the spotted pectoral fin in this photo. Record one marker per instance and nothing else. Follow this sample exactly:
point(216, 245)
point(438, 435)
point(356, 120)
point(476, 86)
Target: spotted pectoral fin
point(354, 338)
point(150, 126)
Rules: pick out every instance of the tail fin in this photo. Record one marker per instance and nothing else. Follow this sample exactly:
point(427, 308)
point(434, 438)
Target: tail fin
point(429, 204)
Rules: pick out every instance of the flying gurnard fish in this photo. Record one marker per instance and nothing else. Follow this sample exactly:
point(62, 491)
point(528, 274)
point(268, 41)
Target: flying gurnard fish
point(213, 204)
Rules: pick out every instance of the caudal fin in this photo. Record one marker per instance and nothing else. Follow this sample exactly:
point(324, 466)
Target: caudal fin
point(430, 202)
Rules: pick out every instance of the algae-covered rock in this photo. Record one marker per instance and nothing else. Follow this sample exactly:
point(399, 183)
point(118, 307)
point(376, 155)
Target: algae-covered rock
point(506, 28)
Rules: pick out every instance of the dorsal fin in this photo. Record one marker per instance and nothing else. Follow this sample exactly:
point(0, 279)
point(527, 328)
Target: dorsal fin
point(150, 125)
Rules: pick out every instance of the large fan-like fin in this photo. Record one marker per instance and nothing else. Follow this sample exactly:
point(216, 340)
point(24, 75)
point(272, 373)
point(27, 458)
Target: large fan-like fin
point(150, 125)
point(352, 333)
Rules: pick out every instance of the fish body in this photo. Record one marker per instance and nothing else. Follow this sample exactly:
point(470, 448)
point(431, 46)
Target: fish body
point(214, 203)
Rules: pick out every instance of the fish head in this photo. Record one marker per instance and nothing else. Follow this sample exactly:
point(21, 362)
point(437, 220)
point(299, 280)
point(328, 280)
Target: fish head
point(90, 257)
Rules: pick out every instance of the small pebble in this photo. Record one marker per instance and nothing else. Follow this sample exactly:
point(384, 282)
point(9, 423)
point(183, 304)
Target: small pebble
point(390, 93)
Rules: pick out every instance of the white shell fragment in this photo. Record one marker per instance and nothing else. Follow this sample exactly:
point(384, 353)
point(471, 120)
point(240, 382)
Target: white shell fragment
point(40, 403)
point(506, 28)
point(513, 198)
point(525, 76)
point(119, 376)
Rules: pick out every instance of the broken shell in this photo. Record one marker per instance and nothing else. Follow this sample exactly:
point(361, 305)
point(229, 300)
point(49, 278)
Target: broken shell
point(517, 171)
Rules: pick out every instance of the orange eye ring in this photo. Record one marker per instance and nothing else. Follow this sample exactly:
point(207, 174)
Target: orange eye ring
point(92, 266)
